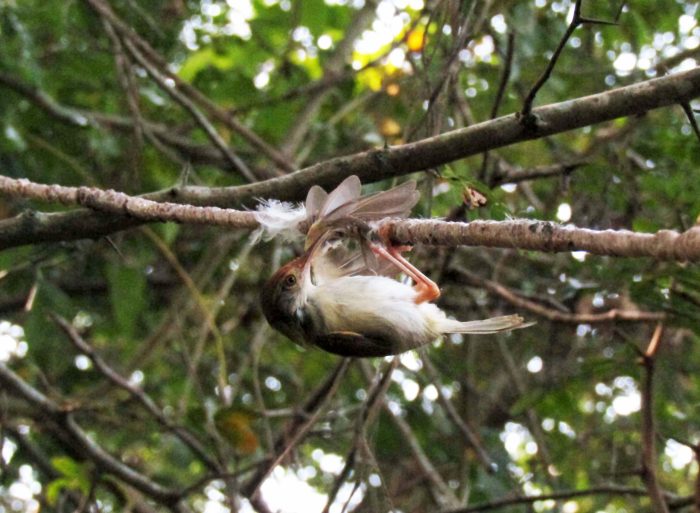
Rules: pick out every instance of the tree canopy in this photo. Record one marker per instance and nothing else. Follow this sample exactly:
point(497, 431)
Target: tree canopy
point(557, 151)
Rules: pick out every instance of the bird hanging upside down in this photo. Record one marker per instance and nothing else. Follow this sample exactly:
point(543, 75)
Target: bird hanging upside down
point(341, 300)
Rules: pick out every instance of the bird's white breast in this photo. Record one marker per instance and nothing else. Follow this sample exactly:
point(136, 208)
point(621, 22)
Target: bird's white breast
point(376, 306)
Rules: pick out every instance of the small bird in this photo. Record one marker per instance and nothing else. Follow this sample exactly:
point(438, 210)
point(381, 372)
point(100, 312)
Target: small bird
point(349, 306)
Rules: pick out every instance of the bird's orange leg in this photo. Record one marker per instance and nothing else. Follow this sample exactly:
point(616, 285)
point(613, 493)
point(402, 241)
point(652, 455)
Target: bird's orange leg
point(427, 289)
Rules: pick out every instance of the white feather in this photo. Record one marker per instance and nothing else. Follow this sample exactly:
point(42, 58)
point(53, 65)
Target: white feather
point(383, 306)
point(279, 219)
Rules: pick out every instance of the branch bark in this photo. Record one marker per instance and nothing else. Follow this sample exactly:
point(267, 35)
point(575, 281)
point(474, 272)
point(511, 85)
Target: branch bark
point(119, 208)
point(548, 237)
point(378, 164)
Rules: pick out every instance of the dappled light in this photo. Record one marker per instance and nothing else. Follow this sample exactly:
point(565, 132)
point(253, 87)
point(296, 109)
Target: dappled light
point(349, 256)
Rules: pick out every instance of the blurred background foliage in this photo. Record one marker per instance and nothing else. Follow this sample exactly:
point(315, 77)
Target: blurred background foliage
point(173, 309)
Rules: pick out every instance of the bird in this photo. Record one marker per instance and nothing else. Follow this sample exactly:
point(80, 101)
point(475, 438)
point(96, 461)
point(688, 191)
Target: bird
point(341, 298)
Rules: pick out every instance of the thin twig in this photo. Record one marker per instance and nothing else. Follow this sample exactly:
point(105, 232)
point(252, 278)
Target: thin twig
point(502, 83)
point(505, 74)
point(127, 32)
point(691, 119)
point(469, 435)
point(333, 65)
point(559, 495)
point(517, 300)
point(366, 416)
point(576, 21)
point(442, 494)
point(190, 107)
point(298, 427)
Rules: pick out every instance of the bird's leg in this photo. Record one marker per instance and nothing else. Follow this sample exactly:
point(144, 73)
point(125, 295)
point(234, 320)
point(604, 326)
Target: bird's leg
point(427, 289)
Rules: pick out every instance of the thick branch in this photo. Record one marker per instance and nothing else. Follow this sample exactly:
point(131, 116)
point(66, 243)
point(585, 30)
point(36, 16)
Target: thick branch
point(549, 237)
point(120, 204)
point(374, 165)
point(519, 234)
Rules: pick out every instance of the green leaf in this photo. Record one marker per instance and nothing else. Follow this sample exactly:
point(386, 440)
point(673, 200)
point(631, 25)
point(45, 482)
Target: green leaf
point(74, 476)
point(201, 60)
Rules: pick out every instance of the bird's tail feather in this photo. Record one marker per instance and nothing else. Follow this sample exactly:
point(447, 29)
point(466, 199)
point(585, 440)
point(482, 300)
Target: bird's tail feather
point(484, 326)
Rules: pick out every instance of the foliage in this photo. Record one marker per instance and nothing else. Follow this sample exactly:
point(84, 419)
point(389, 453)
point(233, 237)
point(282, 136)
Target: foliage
point(174, 311)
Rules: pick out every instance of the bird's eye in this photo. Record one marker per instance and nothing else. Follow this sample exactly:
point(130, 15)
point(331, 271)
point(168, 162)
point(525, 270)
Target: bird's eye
point(290, 280)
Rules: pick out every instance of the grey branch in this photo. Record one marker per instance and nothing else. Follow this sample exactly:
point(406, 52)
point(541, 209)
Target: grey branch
point(548, 237)
point(378, 164)
point(526, 234)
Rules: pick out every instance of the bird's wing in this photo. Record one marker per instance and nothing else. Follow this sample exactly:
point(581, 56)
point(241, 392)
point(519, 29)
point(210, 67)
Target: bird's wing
point(346, 193)
point(315, 199)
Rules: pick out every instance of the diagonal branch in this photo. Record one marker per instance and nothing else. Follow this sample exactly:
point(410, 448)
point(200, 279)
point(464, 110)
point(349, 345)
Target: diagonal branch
point(104, 10)
point(192, 109)
point(298, 428)
point(378, 164)
point(576, 20)
point(88, 448)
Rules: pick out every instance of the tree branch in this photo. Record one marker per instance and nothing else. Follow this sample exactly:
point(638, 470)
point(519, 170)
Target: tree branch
point(298, 427)
point(439, 490)
point(83, 442)
point(104, 10)
point(183, 434)
point(548, 237)
point(120, 204)
point(545, 236)
point(551, 314)
point(378, 164)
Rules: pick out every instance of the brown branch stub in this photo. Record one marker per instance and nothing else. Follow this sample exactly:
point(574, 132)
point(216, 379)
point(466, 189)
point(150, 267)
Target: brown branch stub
point(648, 429)
point(653, 346)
